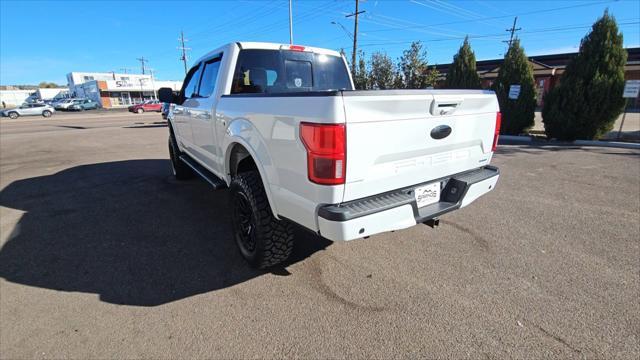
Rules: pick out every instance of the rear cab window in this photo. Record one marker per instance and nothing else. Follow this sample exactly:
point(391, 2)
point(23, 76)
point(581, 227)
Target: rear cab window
point(261, 71)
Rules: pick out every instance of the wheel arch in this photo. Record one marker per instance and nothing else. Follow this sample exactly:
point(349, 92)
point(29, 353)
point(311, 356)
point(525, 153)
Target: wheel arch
point(239, 157)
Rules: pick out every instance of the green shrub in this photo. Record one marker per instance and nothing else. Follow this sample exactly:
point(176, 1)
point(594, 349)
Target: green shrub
point(462, 73)
point(589, 98)
point(517, 114)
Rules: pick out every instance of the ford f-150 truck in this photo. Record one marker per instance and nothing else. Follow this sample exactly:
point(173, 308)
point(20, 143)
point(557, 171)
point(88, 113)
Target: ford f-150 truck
point(283, 128)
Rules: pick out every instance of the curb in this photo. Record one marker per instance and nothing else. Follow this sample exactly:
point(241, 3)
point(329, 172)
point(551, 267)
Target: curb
point(513, 140)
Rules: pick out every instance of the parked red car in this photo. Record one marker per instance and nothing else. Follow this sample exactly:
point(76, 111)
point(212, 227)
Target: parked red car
point(149, 105)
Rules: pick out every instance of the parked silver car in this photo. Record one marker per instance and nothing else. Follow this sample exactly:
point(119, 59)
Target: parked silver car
point(63, 104)
point(28, 110)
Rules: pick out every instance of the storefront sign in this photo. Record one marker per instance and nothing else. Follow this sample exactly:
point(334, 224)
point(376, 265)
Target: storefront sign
point(514, 92)
point(124, 85)
point(631, 89)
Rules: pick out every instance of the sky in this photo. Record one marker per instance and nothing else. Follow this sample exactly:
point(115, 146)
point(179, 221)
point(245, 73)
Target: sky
point(43, 41)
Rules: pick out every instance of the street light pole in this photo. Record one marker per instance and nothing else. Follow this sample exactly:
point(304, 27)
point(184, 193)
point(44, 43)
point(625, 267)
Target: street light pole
point(290, 23)
point(343, 29)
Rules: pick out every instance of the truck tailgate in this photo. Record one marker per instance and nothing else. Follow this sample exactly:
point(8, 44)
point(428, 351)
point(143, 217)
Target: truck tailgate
point(393, 137)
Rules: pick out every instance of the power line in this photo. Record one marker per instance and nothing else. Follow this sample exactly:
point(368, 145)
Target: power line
point(391, 23)
point(315, 12)
point(497, 35)
point(453, 10)
point(495, 17)
point(258, 13)
point(184, 49)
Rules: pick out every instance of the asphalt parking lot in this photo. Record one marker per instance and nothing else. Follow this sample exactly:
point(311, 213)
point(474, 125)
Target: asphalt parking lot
point(104, 255)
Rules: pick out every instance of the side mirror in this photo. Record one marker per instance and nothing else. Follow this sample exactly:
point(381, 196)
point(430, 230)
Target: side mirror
point(166, 95)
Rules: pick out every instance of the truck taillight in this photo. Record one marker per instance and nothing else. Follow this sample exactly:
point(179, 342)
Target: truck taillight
point(496, 133)
point(326, 146)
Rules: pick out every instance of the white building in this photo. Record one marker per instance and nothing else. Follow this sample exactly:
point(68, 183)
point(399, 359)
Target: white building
point(114, 90)
point(51, 93)
point(42, 94)
point(13, 98)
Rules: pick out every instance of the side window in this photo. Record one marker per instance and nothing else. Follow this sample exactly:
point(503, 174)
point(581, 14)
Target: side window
point(257, 71)
point(192, 85)
point(209, 77)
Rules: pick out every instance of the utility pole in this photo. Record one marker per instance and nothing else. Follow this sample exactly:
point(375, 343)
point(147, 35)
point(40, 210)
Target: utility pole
point(153, 84)
point(183, 57)
point(124, 70)
point(290, 23)
point(512, 31)
point(355, 39)
point(142, 61)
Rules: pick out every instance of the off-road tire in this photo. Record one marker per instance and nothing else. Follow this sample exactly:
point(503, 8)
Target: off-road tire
point(13, 115)
point(273, 238)
point(46, 113)
point(180, 170)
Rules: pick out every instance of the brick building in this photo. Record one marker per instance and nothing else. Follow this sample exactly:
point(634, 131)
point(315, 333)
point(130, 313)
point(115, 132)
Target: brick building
point(547, 70)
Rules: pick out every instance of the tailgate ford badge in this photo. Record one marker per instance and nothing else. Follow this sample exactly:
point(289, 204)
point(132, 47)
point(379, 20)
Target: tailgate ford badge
point(440, 132)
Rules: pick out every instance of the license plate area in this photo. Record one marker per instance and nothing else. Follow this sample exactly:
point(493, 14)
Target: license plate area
point(427, 194)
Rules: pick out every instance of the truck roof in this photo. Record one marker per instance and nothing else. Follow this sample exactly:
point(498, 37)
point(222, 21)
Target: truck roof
point(276, 46)
point(266, 46)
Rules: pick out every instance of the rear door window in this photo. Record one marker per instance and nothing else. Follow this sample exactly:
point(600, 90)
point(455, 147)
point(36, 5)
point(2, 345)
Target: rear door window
point(209, 77)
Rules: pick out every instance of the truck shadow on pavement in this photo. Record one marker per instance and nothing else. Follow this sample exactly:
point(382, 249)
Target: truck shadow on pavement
point(128, 232)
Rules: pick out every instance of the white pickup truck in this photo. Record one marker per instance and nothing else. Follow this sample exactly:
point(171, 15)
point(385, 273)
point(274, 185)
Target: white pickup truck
point(283, 128)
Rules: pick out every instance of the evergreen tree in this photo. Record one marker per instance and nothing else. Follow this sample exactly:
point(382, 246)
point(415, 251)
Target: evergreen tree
point(517, 114)
point(46, 85)
point(413, 65)
point(589, 98)
point(431, 77)
point(398, 80)
point(462, 72)
point(361, 77)
point(381, 71)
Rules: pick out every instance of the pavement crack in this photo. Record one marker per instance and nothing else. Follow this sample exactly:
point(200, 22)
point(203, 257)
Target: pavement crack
point(557, 338)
